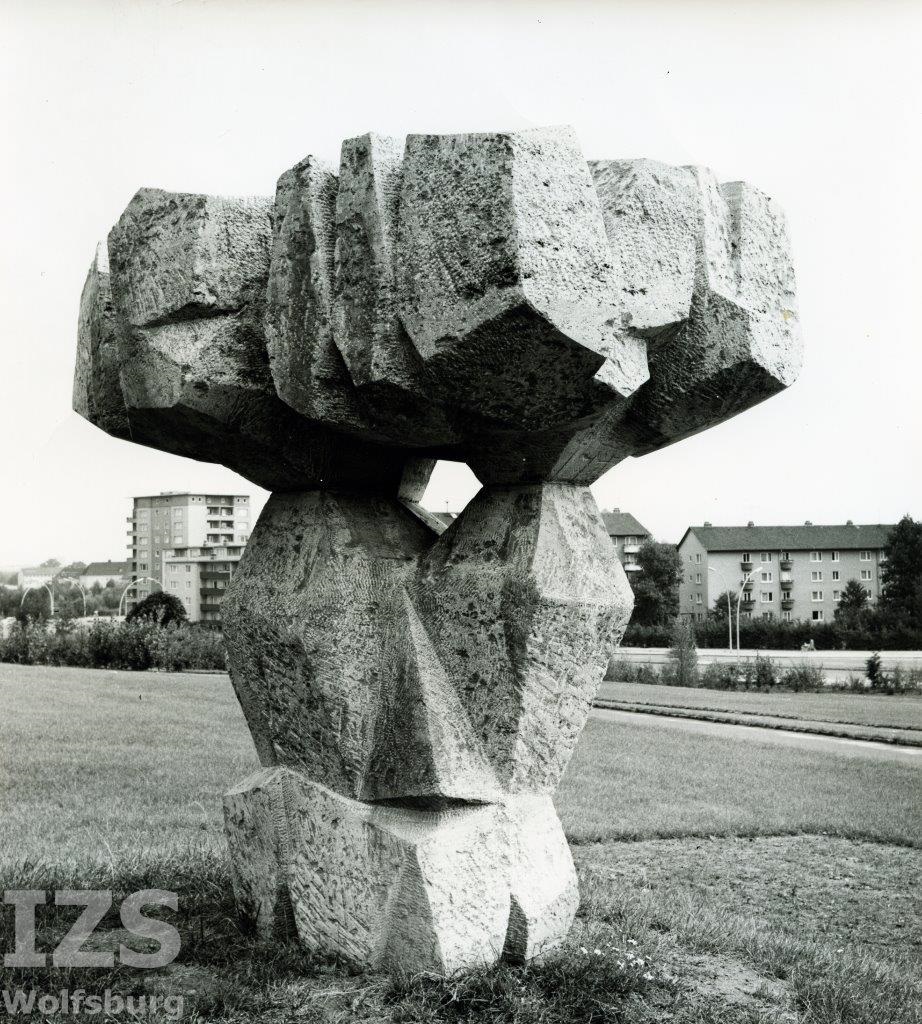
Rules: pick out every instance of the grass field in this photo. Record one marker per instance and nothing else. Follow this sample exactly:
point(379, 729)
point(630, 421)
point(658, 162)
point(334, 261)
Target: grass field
point(785, 888)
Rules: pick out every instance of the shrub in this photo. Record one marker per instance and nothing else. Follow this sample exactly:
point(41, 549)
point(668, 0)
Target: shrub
point(803, 678)
point(682, 669)
point(135, 646)
point(874, 671)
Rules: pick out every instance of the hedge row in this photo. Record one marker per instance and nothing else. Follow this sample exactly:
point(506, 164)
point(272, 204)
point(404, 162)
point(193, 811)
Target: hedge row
point(126, 645)
point(769, 634)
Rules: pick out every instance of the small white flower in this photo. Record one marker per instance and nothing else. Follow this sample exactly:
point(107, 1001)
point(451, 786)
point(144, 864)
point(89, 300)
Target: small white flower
point(598, 952)
point(583, 949)
point(648, 976)
point(632, 942)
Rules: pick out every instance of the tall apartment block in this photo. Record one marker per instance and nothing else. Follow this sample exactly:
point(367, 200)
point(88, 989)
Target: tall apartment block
point(190, 545)
point(785, 572)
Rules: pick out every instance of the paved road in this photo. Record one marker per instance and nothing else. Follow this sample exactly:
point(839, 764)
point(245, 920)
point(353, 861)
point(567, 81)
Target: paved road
point(779, 737)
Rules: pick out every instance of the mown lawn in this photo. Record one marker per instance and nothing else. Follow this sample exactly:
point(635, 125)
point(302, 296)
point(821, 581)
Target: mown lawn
point(844, 708)
point(114, 780)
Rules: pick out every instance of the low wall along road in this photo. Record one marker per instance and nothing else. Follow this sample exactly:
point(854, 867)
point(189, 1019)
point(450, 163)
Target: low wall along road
point(837, 666)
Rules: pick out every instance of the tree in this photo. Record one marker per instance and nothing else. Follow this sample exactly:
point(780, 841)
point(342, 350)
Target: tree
point(683, 655)
point(158, 607)
point(51, 563)
point(656, 587)
point(901, 573)
point(719, 611)
point(853, 605)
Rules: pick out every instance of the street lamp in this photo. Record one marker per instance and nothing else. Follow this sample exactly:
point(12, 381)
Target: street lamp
point(729, 616)
point(133, 583)
point(35, 587)
point(739, 599)
point(79, 586)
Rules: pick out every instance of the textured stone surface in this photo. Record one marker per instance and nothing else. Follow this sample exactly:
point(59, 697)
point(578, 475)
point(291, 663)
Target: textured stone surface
point(188, 276)
point(97, 393)
point(521, 597)
point(415, 692)
point(506, 284)
point(399, 887)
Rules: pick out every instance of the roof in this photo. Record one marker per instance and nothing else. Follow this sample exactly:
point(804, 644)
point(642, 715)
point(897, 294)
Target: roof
point(623, 524)
point(791, 538)
point(109, 569)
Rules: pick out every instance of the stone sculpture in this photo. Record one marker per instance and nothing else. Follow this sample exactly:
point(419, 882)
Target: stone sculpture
point(414, 698)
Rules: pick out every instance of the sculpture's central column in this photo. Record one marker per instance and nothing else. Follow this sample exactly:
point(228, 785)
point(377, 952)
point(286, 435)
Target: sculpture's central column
point(415, 700)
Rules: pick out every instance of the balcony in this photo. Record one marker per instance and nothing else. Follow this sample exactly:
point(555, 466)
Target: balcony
point(209, 607)
point(631, 549)
point(747, 601)
point(787, 603)
point(786, 564)
point(747, 586)
point(746, 565)
point(787, 584)
point(216, 574)
point(631, 567)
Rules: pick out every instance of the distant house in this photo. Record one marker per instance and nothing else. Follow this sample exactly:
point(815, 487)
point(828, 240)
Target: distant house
point(36, 575)
point(627, 535)
point(102, 572)
point(786, 572)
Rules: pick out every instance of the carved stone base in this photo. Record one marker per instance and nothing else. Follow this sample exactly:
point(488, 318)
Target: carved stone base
point(383, 885)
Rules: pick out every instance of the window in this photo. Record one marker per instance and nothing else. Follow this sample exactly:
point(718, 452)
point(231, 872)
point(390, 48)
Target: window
point(818, 615)
point(765, 556)
point(188, 584)
point(188, 568)
point(745, 557)
point(836, 594)
point(142, 565)
point(835, 575)
point(816, 556)
point(698, 557)
point(768, 615)
point(768, 596)
point(786, 556)
point(767, 577)
point(835, 556)
point(698, 599)
point(816, 595)
point(865, 574)
point(817, 576)
point(697, 577)
point(786, 616)
point(864, 556)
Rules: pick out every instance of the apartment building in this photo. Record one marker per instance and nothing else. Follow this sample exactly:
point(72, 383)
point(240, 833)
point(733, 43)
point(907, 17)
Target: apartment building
point(181, 538)
point(785, 572)
point(627, 535)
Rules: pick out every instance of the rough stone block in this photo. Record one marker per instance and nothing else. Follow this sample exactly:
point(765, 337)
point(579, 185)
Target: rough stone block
point(397, 887)
point(188, 276)
point(307, 367)
point(178, 255)
point(522, 599)
point(505, 278)
point(310, 620)
point(367, 330)
point(97, 395)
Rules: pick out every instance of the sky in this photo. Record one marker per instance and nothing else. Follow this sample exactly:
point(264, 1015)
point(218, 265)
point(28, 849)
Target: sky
point(816, 103)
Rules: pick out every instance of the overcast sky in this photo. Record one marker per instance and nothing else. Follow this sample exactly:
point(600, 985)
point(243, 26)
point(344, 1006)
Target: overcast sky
point(817, 104)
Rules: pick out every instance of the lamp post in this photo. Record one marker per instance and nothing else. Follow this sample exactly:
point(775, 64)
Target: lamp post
point(79, 586)
point(134, 583)
point(739, 599)
point(723, 580)
point(35, 587)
